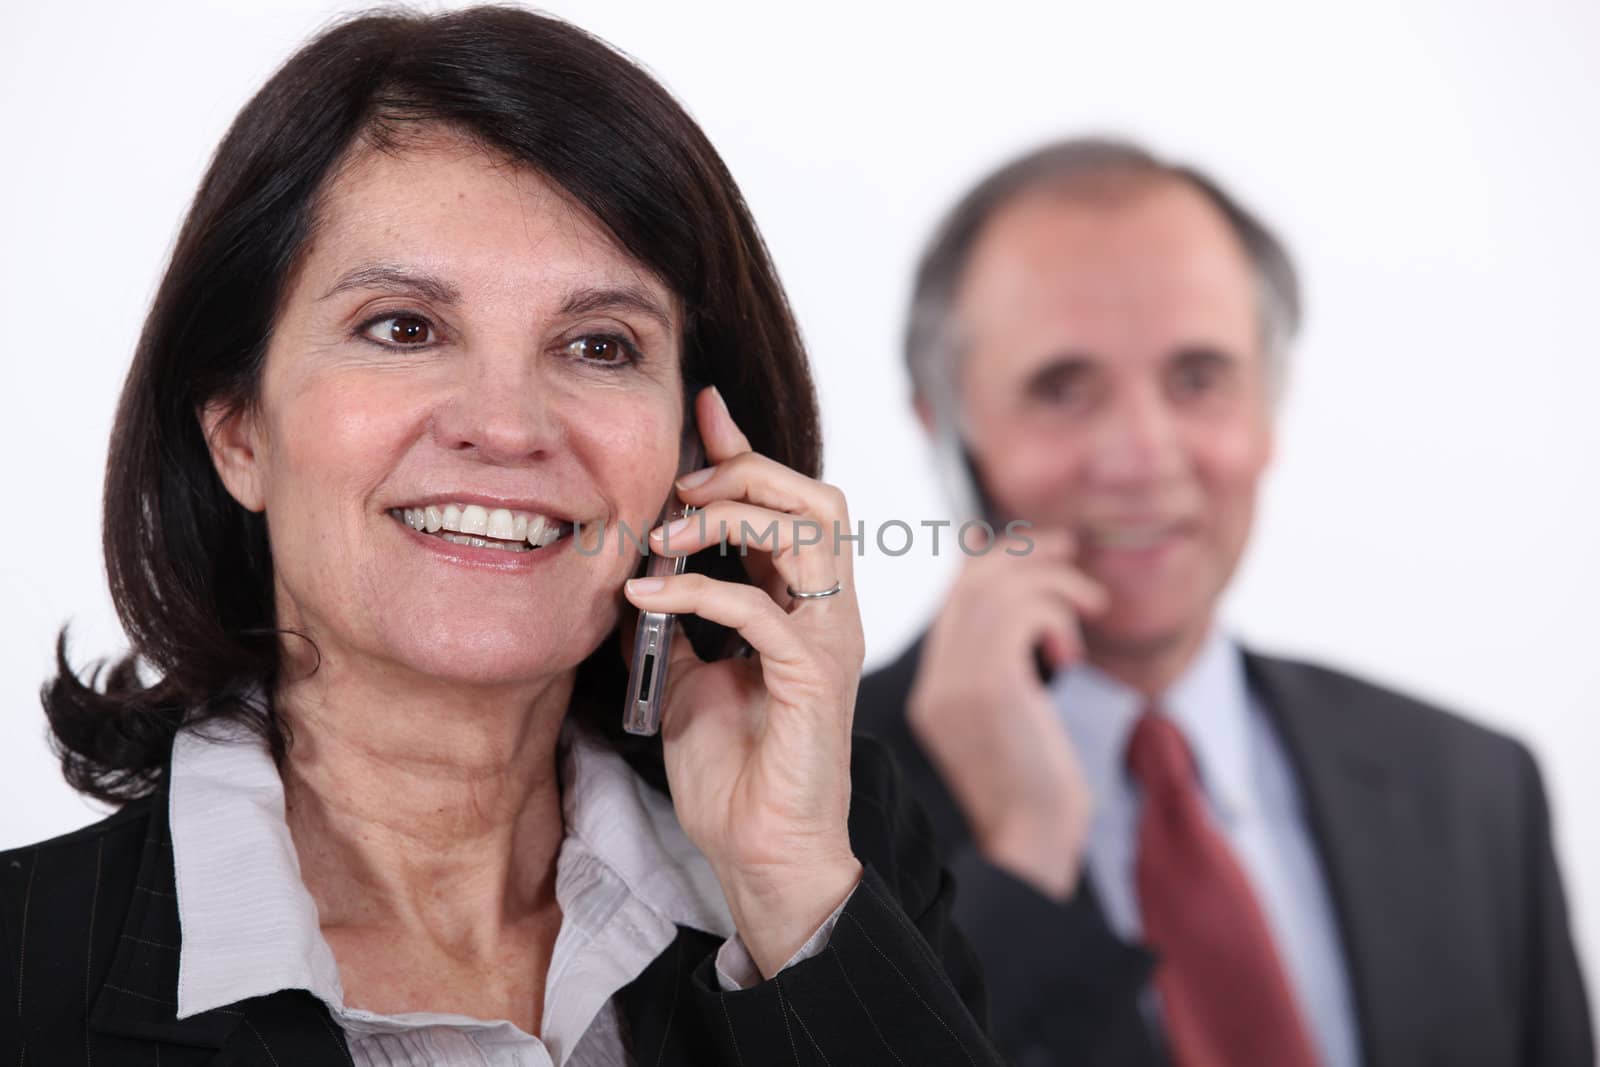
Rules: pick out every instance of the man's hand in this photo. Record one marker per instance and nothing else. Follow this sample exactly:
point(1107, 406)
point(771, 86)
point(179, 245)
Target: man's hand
point(981, 712)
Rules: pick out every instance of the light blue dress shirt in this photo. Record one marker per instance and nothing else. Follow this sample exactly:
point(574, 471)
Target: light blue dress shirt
point(1254, 798)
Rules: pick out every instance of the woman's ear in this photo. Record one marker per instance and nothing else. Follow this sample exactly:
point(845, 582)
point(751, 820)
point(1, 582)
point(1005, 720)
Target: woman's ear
point(230, 434)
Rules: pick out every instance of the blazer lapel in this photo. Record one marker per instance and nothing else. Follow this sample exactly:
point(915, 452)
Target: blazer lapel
point(1368, 832)
point(287, 1027)
point(658, 1009)
point(140, 996)
point(139, 999)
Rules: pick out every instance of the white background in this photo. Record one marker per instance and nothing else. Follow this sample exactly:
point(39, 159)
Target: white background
point(1431, 520)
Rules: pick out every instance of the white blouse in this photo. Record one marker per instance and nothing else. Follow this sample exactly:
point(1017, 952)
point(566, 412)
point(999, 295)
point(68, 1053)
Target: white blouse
point(626, 877)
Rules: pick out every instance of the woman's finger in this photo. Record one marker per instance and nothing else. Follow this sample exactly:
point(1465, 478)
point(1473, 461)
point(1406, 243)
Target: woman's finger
point(755, 615)
point(784, 542)
point(816, 510)
point(763, 480)
point(720, 434)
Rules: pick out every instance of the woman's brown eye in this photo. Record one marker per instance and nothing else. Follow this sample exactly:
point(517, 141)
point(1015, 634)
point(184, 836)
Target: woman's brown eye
point(397, 331)
point(598, 349)
point(408, 330)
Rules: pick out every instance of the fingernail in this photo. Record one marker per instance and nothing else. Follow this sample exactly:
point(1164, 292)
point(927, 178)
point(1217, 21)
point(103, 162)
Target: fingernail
point(694, 478)
point(645, 585)
point(721, 402)
point(671, 529)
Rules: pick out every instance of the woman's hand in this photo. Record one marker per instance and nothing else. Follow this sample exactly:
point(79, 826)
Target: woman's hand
point(758, 749)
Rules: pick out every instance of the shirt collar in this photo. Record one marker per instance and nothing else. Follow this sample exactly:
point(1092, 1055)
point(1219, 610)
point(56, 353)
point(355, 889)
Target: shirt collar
point(1209, 702)
point(1099, 713)
point(249, 925)
point(632, 828)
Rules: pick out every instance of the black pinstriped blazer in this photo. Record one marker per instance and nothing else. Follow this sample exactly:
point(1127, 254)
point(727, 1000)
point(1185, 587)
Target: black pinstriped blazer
point(89, 942)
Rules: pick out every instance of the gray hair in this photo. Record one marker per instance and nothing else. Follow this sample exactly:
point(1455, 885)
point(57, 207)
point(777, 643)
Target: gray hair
point(932, 342)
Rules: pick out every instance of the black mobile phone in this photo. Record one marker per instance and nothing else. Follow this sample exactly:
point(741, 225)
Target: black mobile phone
point(652, 643)
point(968, 498)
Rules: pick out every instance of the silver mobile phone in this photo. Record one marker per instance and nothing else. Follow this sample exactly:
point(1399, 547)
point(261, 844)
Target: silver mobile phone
point(652, 644)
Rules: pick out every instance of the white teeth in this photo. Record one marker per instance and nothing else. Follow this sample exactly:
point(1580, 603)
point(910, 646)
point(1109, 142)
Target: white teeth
point(474, 520)
point(481, 527)
point(479, 542)
point(500, 524)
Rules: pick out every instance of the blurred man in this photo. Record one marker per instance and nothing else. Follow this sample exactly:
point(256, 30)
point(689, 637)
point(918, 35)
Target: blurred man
point(1169, 848)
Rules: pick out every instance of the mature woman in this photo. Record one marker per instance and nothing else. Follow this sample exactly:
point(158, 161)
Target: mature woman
point(422, 350)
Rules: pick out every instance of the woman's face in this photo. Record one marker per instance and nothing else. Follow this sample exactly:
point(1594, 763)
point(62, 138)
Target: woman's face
point(463, 344)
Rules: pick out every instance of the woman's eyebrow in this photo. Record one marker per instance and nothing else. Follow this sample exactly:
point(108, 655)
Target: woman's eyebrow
point(579, 302)
point(396, 279)
point(617, 298)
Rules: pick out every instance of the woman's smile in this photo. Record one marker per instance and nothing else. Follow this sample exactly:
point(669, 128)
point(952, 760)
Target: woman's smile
point(500, 538)
point(480, 526)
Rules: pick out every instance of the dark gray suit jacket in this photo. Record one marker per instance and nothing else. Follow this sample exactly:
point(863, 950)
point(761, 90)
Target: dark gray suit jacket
point(1435, 842)
point(89, 942)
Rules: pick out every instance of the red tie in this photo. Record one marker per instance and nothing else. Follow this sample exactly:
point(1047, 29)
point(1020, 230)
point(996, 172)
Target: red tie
point(1224, 995)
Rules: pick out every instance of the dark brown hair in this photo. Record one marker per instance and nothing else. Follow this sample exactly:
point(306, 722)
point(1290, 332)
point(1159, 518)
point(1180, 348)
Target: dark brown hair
point(190, 569)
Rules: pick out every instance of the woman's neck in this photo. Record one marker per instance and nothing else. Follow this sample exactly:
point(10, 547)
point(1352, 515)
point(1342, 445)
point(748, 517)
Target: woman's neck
point(427, 814)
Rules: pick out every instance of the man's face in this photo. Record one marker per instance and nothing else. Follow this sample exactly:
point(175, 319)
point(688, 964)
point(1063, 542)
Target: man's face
point(1114, 386)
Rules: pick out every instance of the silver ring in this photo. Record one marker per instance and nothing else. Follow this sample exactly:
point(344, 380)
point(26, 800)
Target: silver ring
point(835, 590)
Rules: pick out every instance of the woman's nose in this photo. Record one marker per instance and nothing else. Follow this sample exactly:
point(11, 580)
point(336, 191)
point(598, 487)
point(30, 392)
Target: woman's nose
point(500, 409)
